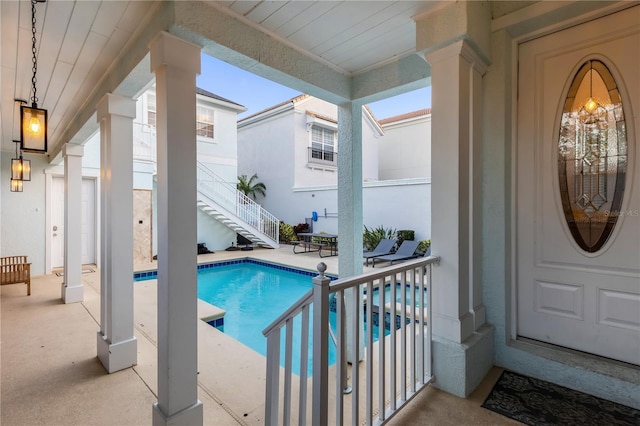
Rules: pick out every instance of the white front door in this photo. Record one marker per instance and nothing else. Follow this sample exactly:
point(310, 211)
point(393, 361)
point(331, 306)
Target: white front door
point(88, 224)
point(567, 295)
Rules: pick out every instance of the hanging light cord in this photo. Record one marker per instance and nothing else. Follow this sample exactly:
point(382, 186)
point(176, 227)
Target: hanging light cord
point(34, 68)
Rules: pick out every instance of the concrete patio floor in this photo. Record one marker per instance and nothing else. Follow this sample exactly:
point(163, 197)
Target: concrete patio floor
point(50, 373)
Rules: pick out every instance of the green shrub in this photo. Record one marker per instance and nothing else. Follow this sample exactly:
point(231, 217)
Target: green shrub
point(406, 234)
point(373, 236)
point(424, 245)
point(286, 233)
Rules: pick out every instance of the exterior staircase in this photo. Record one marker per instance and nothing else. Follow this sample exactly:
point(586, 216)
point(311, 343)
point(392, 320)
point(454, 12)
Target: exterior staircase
point(216, 197)
point(223, 202)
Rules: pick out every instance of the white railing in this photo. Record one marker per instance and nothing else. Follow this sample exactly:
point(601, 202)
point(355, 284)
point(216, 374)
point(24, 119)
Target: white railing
point(227, 196)
point(394, 368)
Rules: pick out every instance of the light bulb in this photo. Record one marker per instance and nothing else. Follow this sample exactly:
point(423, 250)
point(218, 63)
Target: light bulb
point(34, 124)
point(591, 105)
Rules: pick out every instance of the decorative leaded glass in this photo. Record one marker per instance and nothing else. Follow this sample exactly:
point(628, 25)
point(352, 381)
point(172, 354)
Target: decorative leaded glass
point(592, 156)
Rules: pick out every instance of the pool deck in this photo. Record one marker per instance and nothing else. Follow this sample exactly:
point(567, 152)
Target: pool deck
point(50, 373)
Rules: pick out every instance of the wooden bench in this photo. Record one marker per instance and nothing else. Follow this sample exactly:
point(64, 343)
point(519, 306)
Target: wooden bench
point(14, 270)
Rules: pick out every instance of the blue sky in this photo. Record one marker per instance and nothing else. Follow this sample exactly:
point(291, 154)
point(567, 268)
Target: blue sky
point(257, 93)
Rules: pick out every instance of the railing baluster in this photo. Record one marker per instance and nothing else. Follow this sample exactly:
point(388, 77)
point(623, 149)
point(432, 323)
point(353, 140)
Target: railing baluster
point(420, 310)
point(288, 345)
point(381, 346)
point(369, 346)
point(429, 323)
point(355, 350)
point(412, 291)
point(304, 366)
point(403, 334)
point(341, 362)
point(392, 343)
point(273, 378)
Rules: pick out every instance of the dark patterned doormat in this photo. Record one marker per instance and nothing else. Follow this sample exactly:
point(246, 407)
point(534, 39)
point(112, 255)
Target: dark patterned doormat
point(539, 403)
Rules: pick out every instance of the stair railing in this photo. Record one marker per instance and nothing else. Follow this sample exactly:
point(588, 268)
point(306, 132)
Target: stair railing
point(234, 201)
point(395, 367)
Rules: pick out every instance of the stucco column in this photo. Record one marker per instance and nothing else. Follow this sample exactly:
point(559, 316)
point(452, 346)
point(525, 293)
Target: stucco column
point(176, 64)
point(350, 227)
point(456, 75)
point(463, 351)
point(72, 289)
point(116, 344)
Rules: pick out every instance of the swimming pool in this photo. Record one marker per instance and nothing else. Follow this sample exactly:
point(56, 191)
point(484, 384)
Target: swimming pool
point(254, 293)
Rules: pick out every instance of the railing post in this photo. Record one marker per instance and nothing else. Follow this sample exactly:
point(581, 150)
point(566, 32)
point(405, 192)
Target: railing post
point(319, 410)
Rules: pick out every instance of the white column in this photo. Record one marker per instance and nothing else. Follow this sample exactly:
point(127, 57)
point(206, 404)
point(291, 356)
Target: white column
point(116, 344)
point(350, 225)
point(72, 290)
point(456, 76)
point(176, 63)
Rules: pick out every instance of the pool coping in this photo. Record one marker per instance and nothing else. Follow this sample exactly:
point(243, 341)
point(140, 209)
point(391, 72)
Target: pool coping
point(151, 274)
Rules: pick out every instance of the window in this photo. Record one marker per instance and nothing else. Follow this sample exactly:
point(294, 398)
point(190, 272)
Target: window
point(204, 123)
point(204, 118)
point(151, 109)
point(322, 144)
point(592, 155)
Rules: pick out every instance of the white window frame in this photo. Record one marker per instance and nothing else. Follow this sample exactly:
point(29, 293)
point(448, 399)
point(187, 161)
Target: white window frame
point(205, 117)
point(151, 115)
point(325, 147)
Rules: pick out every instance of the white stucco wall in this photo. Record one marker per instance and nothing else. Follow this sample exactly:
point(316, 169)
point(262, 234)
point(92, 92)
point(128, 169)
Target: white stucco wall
point(220, 154)
point(402, 204)
point(405, 149)
point(22, 228)
point(268, 150)
point(371, 140)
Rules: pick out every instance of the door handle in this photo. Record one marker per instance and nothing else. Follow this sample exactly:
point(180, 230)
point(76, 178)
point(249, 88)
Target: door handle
point(55, 227)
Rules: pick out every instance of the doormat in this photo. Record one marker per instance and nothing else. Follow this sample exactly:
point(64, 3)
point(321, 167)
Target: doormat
point(84, 271)
point(537, 403)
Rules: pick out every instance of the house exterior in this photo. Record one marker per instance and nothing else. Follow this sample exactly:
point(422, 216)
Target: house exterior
point(216, 151)
point(520, 284)
point(301, 136)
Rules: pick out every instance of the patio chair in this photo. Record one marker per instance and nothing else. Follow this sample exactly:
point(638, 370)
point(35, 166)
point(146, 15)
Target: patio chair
point(407, 250)
point(384, 247)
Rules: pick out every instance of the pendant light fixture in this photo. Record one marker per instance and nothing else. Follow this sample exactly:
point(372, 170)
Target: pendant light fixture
point(33, 120)
point(20, 168)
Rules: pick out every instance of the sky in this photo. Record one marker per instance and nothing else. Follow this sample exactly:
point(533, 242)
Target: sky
point(257, 93)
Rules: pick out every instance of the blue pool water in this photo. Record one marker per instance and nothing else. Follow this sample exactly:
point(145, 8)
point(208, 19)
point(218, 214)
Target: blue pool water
point(254, 294)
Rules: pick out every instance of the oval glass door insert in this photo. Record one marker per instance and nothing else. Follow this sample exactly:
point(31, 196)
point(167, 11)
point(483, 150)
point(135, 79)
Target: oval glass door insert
point(592, 156)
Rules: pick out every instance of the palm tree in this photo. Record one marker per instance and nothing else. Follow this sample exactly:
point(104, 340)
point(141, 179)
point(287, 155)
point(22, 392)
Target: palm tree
point(249, 188)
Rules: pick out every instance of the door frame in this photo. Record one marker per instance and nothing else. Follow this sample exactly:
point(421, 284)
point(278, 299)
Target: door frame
point(58, 172)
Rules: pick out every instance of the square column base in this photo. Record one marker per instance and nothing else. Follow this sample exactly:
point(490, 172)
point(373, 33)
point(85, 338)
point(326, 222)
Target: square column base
point(460, 367)
point(117, 356)
point(72, 294)
point(191, 416)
